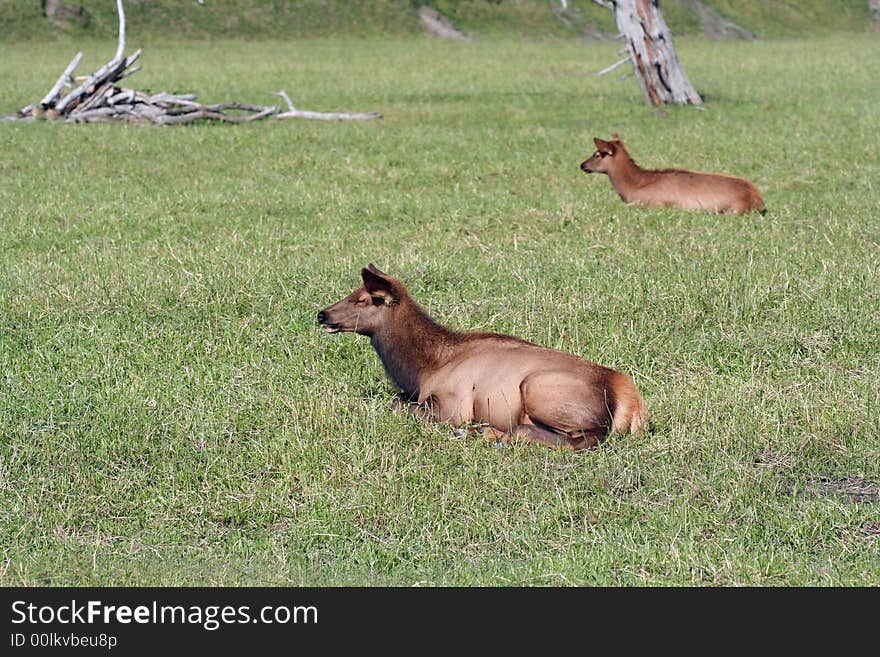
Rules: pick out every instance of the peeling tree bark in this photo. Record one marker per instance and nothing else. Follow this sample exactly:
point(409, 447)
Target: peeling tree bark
point(653, 57)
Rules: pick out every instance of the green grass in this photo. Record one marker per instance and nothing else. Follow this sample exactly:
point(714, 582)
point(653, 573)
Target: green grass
point(297, 19)
point(170, 412)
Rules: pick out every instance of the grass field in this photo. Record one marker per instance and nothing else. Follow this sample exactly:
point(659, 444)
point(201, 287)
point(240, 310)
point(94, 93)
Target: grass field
point(23, 20)
point(171, 413)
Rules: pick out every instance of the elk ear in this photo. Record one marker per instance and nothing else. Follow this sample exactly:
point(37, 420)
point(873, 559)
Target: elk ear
point(379, 284)
point(601, 144)
point(604, 146)
point(373, 268)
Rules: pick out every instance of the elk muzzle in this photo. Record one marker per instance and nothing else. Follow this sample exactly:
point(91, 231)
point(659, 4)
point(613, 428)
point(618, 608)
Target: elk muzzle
point(325, 322)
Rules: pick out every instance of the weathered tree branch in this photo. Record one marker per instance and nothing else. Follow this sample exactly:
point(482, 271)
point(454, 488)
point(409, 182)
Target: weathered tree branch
point(283, 94)
point(615, 65)
point(329, 116)
point(293, 113)
point(120, 47)
point(110, 71)
point(63, 80)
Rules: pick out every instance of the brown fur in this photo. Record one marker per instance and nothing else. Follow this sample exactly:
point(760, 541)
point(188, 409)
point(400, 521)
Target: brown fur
point(690, 190)
point(512, 387)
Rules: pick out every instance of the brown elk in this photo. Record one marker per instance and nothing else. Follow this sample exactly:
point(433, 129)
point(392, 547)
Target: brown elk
point(682, 188)
point(511, 387)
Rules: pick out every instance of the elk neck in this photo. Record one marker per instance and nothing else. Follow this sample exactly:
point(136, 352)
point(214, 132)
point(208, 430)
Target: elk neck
point(411, 345)
point(627, 176)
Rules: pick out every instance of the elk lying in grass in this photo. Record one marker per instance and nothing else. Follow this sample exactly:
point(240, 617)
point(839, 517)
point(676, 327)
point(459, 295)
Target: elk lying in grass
point(690, 190)
point(512, 387)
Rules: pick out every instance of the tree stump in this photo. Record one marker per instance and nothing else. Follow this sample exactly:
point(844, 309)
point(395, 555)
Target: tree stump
point(653, 57)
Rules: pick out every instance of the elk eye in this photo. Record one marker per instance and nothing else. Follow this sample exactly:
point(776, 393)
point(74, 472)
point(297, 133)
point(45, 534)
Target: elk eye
point(378, 301)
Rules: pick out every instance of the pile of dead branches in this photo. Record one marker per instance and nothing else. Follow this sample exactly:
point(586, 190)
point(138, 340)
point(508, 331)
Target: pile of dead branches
point(99, 97)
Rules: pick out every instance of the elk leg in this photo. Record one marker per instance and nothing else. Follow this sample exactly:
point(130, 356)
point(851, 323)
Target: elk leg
point(576, 411)
point(495, 436)
point(446, 409)
point(424, 410)
point(540, 435)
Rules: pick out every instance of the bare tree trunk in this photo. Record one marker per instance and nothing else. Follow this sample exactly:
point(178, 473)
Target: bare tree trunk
point(649, 44)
